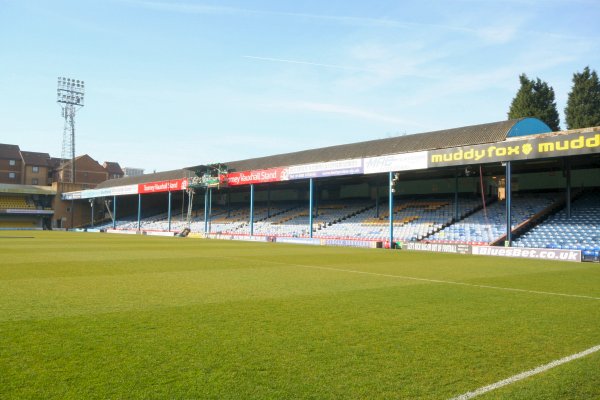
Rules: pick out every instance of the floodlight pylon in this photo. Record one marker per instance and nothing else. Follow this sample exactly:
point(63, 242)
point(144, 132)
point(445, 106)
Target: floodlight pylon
point(70, 97)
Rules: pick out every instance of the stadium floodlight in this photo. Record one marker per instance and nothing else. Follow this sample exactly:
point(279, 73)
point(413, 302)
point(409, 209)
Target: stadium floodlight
point(70, 91)
point(70, 95)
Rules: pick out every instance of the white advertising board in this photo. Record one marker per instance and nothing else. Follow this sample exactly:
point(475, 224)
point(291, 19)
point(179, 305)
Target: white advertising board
point(396, 162)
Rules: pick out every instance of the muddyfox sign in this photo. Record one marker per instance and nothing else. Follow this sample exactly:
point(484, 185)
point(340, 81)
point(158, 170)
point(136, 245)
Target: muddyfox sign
point(543, 147)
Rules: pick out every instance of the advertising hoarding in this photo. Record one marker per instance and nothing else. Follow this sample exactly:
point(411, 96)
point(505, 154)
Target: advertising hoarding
point(323, 169)
point(527, 252)
point(162, 186)
point(107, 192)
point(525, 149)
point(256, 176)
point(395, 162)
point(438, 247)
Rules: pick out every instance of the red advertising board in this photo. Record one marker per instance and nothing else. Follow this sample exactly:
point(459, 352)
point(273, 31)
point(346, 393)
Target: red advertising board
point(162, 186)
point(257, 176)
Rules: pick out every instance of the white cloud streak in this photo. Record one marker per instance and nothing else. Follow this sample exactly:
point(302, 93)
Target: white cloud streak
point(282, 60)
point(493, 35)
point(194, 8)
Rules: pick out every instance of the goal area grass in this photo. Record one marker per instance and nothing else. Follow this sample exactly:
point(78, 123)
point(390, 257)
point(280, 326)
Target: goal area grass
point(96, 316)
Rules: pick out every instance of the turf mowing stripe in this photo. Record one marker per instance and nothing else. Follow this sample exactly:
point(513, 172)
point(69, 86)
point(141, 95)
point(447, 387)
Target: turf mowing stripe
point(431, 280)
point(526, 374)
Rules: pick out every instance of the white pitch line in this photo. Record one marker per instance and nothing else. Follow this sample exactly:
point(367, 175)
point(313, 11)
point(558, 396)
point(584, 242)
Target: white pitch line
point(526, 374)
point(437, 281)
point(412, 278)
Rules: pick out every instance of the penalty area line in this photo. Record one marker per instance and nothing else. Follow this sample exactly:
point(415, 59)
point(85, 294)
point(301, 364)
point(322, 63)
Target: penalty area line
point(526, 374)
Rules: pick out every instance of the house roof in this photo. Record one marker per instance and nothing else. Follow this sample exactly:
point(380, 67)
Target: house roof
point(113, 168)
point(10, 151)
point(86, 160)
point(34, 158)
point(54, 162)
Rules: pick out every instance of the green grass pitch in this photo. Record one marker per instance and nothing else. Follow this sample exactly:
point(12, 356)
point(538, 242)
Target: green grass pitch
point(85, 316)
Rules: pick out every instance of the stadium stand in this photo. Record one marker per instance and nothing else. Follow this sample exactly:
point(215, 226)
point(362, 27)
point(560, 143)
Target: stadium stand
point(16, 202)
point(428, 219)
point(580, 232)
point(414, 219)
point(345, 205)
point(489, 224)
point(295, 221)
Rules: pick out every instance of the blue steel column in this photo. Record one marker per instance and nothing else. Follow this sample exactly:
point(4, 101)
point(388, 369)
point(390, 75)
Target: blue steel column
point(568, 162)
point(228, 202)
point(206, 211)
point(252, 209)
point(391, 210)
point(456, 195)
point(114, 212)
point(139, 211)
point(310, 206)
point(508, 205)
point(316, 199)
point(169, 210)
point(377, 201)
point(93, 201)
point(209, 208)
point(269, 202)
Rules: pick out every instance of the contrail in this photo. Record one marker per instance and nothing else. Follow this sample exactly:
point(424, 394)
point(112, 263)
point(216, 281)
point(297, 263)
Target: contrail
point(308, 63)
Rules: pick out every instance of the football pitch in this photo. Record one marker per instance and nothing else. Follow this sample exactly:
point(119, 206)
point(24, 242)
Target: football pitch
point(85, 316)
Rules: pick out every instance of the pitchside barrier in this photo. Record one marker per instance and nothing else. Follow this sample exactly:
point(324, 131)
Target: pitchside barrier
point(136, 232)
point(518, 252)
point(452, 248)
point(300, 240)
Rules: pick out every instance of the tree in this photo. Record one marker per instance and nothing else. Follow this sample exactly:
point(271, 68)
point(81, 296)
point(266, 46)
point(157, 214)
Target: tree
point(583, 104)
point(535, 99)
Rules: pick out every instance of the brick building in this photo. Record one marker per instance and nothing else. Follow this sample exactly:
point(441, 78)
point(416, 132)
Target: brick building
point(11, 164)
point(32, 181)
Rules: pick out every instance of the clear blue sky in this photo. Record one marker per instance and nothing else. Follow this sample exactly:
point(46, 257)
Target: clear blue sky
point(174, 84)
